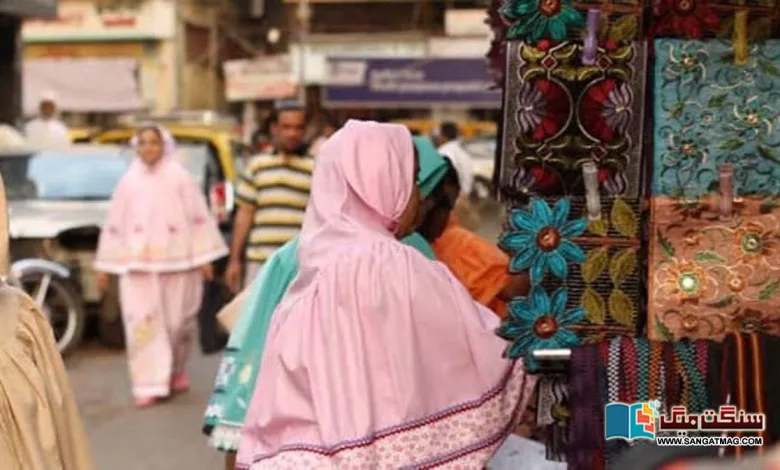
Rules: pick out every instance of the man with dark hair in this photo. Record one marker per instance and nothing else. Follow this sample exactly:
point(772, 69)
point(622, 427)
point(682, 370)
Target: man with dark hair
point(449, 145)
point(272, 194)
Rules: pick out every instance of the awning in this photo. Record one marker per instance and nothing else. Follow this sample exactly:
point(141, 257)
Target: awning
point(29, 8)
point(82, 85)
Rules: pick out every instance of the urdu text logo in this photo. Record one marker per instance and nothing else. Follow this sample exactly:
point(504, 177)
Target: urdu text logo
point(727, 426)
point(631, 421)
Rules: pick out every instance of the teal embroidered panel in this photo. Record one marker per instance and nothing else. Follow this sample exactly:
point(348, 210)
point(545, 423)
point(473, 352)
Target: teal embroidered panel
point(709, 111)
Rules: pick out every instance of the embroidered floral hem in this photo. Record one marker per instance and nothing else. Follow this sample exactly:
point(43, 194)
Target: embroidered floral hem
point(462, 436)
point(124, 265)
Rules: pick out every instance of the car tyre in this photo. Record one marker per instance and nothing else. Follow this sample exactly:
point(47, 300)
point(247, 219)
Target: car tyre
point(62, 298)
point(111, 330)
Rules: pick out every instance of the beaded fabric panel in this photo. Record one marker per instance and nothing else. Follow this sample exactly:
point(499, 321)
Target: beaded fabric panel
point(694, 19)
point(708, 276)
point(560, 114)
point(709, 111)
point(608, 284)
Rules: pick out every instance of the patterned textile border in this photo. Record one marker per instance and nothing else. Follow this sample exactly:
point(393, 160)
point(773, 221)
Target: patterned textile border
point(560, 114)
point(468, 429)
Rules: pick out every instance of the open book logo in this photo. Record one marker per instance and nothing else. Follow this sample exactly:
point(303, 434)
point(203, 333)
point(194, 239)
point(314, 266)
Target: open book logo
point(631, 421)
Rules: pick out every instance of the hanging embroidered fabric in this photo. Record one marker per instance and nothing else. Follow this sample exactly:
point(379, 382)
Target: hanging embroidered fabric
point(746, 375)
point(710, 276)
point(586, 275)
point(695, 19)
point(607, 378)
point(709, 111)
point(561, 113)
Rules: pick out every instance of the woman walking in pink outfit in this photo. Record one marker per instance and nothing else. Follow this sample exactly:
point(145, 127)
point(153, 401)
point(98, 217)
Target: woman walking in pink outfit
point(160, 239)
point(377, 357)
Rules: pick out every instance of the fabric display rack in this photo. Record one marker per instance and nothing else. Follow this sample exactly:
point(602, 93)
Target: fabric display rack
point(639, 158)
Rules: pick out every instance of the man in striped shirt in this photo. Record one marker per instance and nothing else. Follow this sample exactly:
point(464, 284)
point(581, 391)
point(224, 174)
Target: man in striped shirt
point(272, 194)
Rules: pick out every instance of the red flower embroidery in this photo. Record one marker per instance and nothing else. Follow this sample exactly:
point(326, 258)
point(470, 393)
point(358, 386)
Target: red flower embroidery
point(687, 18)
point(605, 109)
point(543, 109)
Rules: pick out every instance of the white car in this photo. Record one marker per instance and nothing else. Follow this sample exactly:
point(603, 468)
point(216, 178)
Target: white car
point(483, 152)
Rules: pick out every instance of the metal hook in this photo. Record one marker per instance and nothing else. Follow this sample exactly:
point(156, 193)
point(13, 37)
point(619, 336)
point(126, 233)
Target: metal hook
point(591, 40)
point(726, 191)
point(592, 196)
point(740, 37)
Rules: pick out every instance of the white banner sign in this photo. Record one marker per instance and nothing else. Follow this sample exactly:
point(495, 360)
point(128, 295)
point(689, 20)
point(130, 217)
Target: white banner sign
point(262, 78)
point(86, 21)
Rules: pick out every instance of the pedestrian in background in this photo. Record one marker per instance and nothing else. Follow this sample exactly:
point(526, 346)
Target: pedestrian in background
point(46, 130)
point(447, 138)
point(161, 239)
point(480, 265)
point(272, 193)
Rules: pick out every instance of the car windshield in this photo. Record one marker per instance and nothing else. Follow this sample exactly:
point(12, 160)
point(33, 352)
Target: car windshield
point(63, 175)
point(196, 157)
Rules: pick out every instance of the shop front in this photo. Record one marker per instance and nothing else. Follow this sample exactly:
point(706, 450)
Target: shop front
point(73, 54)
point(12, 13)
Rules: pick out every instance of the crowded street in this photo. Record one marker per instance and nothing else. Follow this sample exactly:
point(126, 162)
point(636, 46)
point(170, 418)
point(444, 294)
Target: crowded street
point(164, 438)
point(389, 234)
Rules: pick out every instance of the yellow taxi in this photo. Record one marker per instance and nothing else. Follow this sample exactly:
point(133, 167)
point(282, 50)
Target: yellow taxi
point(468, 129)
point(82, 135)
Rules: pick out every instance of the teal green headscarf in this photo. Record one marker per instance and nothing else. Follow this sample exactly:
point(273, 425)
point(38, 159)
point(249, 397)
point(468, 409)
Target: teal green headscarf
point(237, 374)
point(433, 166)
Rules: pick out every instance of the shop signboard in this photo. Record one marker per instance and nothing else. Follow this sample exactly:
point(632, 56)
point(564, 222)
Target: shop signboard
point(261, 78)
point(410, 83)
point(29, 8)
point(314, 55)
point(78, 20)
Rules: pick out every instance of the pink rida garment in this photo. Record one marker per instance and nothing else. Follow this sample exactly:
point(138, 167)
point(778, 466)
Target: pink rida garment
point(376, 357)
point(158, 221)
point(158, 233)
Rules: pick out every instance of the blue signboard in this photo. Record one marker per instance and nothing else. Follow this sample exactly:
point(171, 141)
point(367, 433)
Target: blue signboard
point(409, 83)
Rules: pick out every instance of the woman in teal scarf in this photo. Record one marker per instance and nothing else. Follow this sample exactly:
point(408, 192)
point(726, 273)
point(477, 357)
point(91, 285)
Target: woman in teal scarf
point(235, 381)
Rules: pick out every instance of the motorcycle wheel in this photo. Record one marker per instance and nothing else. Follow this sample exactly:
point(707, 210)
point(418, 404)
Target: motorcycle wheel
point(59, 301)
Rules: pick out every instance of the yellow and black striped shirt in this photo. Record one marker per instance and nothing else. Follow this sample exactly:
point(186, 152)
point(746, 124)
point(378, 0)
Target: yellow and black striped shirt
point(278, 187)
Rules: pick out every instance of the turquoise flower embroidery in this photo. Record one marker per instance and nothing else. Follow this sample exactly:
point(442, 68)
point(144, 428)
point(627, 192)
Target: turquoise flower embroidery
point(540, 239)
point(539, 322)
point(541, 19)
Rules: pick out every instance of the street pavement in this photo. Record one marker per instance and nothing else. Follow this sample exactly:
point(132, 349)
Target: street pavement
point(164, 437)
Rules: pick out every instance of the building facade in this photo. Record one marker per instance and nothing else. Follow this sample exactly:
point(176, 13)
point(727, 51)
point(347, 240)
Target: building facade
point(102, 59)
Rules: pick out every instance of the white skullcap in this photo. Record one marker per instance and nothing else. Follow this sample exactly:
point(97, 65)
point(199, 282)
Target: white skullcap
point(48, 96)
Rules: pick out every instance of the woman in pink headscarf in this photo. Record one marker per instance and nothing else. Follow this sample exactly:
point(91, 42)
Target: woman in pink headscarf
point(376, 357)
point(160, 239)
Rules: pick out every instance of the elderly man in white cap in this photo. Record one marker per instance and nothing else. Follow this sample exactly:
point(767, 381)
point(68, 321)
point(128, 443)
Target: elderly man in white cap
point(46, 129)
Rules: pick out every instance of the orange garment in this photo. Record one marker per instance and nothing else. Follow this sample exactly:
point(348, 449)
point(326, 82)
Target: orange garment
point(478, 264)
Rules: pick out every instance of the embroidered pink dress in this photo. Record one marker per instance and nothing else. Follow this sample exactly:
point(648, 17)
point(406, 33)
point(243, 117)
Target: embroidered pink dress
point(377, 357)
point(158, 233)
